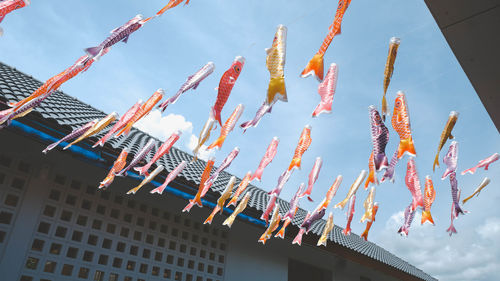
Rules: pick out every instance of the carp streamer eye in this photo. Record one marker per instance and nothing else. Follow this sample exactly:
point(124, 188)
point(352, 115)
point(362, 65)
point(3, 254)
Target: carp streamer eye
point(398, 103)
point(237, 68)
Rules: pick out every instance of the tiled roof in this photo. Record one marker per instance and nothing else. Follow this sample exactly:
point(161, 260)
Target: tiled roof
point(66, 110)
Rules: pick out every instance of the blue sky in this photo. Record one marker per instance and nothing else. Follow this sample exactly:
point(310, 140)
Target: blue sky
point(46, 37)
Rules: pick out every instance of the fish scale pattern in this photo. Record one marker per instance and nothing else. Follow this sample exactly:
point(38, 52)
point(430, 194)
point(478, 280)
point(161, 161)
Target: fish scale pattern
point(68, 111)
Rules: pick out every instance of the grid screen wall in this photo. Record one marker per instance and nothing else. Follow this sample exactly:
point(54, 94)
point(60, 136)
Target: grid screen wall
point(82, 233)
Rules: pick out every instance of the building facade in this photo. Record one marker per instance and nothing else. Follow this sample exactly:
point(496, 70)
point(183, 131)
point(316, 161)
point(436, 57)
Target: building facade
point(56, 225)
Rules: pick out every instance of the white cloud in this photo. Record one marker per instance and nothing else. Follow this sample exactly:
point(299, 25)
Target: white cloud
point(467, 255)
point(163, 126)
point(491, 229)
point(203, 153)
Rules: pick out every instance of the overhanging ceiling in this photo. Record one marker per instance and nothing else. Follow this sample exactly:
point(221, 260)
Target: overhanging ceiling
point(472, 29)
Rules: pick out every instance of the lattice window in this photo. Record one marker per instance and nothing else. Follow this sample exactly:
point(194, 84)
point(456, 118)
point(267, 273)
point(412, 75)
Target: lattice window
point(87, 234)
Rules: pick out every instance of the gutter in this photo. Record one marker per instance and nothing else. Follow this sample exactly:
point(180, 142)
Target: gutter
point(97, 160)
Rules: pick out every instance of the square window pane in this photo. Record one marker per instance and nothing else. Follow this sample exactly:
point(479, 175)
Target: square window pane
point(61, 231)
point(105, 195)
point(170, 259)
point(66, 215)
point(72, 252)
point(183, 248)
point(161, 242)
point(55, 195)
point(134, 250)
point(71, 200)
point(152, 225)
point(11, 200)
point(131, 203)
point(88, 256)
point(86, 204)
point(137, 235)
point(130, 265)
point(67, 270)
point(99, 275)
point(32, 263)
point(167, 273)
point(111, 228)
point(101, 209)
point(103, 260)
point(113, 277)
point(50, 266)
point(37, 245)
point(120, 247)
point(18, 183)
point(92, 240)
point(195, 238)
point(117, 262)
point(81, 220)
point(77, 236)
point(149, 239)
point(124, 231)
point(106, 243)
point(5, 217)
point(90, 190)
point(163, 228)
point(146, 253)
point(97, 224)
point(127, 217)
point(55, 248)
point(83, 273)
point(114, 213)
